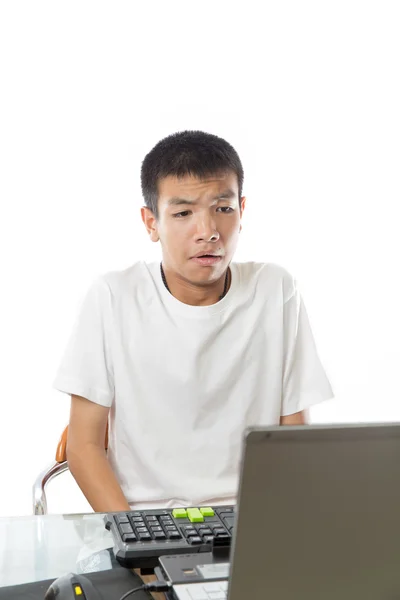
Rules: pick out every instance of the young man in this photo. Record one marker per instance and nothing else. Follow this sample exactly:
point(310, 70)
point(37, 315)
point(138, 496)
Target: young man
point(180, 357)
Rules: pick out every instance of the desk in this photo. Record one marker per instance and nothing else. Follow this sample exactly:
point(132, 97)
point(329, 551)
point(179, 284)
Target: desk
point(36, 548)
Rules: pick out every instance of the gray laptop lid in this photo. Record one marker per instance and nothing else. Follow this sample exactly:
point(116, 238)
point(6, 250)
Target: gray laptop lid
point(318, 514)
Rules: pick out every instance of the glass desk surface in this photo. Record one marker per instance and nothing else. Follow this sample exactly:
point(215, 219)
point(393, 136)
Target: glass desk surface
point(34, 548)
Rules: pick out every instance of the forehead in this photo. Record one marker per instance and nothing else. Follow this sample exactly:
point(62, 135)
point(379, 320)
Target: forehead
point(193, 188)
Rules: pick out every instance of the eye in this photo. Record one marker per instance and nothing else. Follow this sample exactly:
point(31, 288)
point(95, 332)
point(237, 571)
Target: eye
point(179, 215)
point(225, 209)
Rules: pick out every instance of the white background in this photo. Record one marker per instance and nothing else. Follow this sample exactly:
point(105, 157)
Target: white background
point(309, 95)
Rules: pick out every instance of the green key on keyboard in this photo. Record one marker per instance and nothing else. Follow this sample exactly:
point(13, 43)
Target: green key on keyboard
point(195, 515)
point(179, 513)
point(207, 511)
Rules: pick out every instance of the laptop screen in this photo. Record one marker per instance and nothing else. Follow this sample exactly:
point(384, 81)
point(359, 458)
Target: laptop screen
point(318, 514)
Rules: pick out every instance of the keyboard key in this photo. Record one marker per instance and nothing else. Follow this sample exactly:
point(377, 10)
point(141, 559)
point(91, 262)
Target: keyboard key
point(125, 528)
point(197, 593)
point(155, 528)
point(208, 539)
point(144, 537)
point(165, 523)
point(212, 586)
point(170, 527)
point(137, 519)
point(195, 540)
point(152, 519)
point(121, 518)
point(189, 532)
point(218, 530)
point(142, 530)
point(194, 515)
point(174, 535)
point(159, 535)
point(204, 531)
point(220, 595)
point(179, 513)
point(129, 537)
point(207, 511)
point(139, 524)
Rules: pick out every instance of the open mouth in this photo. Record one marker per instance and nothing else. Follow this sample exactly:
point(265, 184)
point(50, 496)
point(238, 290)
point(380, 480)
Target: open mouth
point(207, 259)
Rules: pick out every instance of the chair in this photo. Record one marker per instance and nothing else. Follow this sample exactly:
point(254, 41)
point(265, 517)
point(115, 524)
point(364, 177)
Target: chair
point(59, 466)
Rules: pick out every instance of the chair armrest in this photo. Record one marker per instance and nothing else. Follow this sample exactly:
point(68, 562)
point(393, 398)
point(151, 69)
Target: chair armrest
point(39, 487)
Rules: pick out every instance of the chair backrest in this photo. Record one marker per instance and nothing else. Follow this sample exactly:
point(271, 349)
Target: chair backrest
point(61, 452)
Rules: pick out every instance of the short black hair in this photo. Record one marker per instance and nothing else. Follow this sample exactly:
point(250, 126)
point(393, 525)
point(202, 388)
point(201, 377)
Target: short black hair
point(194, 153)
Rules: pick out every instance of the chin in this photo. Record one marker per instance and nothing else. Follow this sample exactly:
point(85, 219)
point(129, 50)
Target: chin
point(208, 272)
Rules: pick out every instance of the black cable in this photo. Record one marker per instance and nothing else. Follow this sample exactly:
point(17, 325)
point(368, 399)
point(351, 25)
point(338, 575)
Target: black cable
point(154, 586)
point(131, 592)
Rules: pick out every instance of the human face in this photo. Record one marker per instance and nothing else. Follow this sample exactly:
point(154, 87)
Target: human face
point(197, 217)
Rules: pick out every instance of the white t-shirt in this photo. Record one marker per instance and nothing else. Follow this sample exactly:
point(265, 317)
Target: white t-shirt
point(183, 382)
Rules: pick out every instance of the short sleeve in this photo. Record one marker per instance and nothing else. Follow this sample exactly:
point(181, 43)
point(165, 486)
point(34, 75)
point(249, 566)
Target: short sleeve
point(86, 367)
point(304, 380)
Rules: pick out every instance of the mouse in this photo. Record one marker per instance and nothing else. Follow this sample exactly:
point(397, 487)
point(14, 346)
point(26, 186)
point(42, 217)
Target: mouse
point(72, 587)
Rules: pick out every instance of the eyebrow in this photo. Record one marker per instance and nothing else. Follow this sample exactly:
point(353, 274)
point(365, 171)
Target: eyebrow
point(227, 194)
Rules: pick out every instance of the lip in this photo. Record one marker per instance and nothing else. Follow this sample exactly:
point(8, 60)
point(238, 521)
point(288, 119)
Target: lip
point(207, 261)
point(203, 252)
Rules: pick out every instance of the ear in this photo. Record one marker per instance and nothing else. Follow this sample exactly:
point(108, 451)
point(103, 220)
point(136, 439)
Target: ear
point(242, 207)
point(150, 222)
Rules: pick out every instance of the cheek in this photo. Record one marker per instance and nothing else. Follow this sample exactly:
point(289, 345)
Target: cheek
point(230, 231)
point(175, 237)
point(182, 231)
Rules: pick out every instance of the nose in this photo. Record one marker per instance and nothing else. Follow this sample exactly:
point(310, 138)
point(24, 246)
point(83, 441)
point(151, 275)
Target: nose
point(206, 229)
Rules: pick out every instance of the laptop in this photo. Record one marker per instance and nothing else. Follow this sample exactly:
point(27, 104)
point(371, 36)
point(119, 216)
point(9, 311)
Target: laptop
point(318, 517)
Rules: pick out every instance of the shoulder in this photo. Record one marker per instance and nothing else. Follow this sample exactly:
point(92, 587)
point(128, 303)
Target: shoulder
point(268, 278)
point(116, 284)
point(132, 275)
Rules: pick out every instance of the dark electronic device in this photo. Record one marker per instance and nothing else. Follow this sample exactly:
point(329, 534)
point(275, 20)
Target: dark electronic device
point(140, 537)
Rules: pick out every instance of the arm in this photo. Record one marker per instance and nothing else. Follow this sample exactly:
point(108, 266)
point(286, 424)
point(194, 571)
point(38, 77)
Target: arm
point(87, 459)
point(304, 381)
point(299, 418)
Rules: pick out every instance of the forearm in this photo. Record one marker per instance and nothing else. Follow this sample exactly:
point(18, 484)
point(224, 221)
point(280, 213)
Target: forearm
point(299, 418)
point(93, 473)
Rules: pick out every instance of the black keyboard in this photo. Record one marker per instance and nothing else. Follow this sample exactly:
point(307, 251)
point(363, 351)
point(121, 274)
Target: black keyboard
point(140, 537)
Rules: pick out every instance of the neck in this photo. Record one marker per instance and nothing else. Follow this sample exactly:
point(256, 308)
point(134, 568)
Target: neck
point(196, 295)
